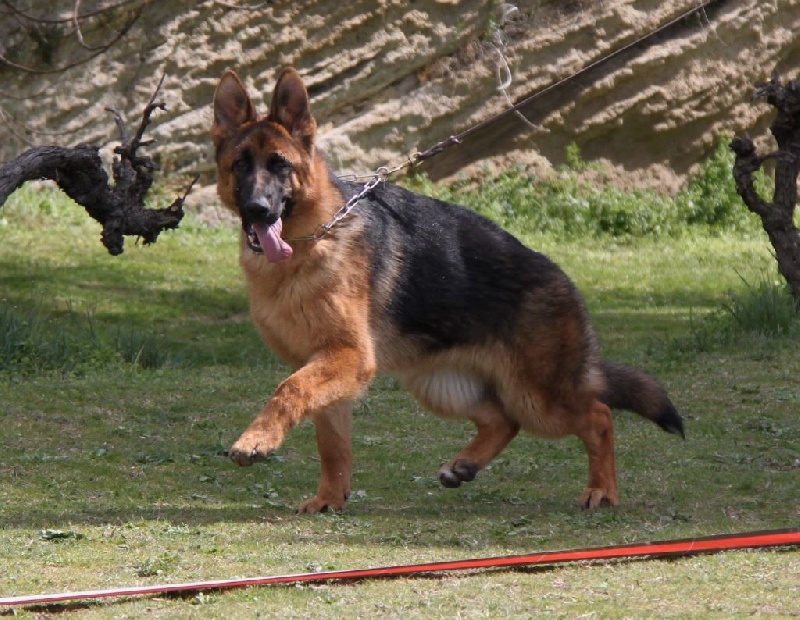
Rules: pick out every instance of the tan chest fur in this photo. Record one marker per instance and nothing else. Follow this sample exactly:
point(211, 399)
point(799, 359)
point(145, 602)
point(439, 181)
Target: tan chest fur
point(318, 300)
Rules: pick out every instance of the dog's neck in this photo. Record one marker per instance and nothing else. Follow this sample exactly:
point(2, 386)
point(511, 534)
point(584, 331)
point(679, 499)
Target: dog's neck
point(317, 204)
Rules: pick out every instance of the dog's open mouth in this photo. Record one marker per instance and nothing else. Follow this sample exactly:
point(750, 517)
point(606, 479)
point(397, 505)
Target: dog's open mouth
point(266, 239)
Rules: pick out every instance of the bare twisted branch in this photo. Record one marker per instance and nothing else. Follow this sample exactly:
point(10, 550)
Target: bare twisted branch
point(80, 174)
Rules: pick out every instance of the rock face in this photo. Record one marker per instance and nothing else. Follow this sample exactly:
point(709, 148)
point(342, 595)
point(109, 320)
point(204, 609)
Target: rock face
point(390, 77)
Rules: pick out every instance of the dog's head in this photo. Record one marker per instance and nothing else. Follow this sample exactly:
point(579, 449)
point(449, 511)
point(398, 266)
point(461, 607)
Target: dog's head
point(264, 163)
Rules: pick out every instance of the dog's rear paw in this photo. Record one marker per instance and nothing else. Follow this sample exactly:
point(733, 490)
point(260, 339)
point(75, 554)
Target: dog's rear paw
point(453, 474)
point(597, 498)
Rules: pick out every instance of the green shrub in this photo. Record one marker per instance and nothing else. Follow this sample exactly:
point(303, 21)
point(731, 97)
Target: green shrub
point(710, 196)
point(568, 204)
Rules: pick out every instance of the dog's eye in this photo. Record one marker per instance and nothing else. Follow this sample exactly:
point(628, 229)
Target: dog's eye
point(278, 164)
point(243, 163)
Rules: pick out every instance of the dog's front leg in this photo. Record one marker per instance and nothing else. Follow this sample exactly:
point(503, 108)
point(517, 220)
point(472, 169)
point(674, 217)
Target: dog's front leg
point(334, 428)
point(324, 389)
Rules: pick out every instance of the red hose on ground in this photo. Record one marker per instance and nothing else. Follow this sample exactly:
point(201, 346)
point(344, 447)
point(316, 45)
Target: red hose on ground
point(689, 546)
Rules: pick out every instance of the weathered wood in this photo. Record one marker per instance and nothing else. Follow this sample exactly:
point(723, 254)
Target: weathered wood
point(777, 215)
point(80, 174)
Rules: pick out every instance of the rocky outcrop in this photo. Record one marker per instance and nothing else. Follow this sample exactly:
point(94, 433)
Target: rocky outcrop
point(390, 77)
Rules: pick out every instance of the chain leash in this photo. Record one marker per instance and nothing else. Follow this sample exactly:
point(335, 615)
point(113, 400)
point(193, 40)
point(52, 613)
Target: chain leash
point(321, 231)
point(376, 178)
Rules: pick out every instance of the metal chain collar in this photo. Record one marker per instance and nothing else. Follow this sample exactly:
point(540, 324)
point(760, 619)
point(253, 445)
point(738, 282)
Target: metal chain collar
point(379, 176)
point(321, 231)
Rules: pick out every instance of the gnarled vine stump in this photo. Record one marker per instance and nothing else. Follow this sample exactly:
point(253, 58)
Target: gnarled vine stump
point(80, 174)
point(777, 215)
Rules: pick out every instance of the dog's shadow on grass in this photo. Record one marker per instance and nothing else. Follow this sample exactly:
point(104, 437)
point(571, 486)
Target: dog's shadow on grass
point(456, 523)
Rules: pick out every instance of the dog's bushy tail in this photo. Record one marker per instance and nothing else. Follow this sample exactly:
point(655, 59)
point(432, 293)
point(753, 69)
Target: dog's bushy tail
point(635, 390)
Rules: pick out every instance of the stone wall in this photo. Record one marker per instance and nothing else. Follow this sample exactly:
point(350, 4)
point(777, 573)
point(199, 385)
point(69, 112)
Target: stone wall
point(389, 77)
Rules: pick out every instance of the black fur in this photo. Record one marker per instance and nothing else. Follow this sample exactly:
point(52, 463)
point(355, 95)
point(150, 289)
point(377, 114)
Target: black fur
point(450, 258)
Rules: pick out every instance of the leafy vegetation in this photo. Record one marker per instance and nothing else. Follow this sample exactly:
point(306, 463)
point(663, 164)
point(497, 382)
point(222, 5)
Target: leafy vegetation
point(567, 206)
point(31, 341)
point(114, 471)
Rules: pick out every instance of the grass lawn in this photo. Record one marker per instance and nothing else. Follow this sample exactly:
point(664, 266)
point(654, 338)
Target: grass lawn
point(118, 444)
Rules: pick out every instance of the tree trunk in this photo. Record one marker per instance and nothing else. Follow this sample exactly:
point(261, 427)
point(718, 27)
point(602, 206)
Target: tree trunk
point(777, 216)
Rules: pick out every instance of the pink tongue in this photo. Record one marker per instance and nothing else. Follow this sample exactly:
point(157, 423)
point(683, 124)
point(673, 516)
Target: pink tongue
point(275, 248)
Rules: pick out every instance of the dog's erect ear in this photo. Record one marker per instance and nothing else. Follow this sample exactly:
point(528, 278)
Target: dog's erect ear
point(232, 107)
point(290, 108)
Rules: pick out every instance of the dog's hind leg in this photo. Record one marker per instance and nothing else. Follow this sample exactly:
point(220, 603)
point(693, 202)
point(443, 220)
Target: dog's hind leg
point(334, 429)
point(495, 431)
point(597, 436)
point(463, 396)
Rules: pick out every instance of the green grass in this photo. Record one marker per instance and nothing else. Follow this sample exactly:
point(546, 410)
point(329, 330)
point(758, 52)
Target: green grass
point(125, 457)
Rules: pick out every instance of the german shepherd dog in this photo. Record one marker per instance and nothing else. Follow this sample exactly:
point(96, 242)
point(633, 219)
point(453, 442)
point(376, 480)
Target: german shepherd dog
point(474, 324)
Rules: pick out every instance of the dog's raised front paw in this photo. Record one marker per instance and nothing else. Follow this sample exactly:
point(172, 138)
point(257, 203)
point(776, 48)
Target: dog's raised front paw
point(249, 450)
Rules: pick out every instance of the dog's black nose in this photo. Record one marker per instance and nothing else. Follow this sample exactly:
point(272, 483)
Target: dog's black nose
point(257, 208)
